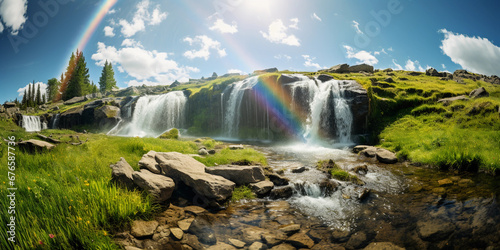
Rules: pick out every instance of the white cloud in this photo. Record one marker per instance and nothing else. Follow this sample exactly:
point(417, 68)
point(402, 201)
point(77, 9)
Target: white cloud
point(295, 23)
point(356, 27)
point(309, 62)
point(277, 33)
point(314, 16)
point(475, 54)
point(284, 56)
point(111, 11)
point(380, 52)
point(13, 14)
point(390, 49)
point(443, 66)
point(131, 43)
point(108, 31)
point(414, 65)
point(363, 56)
point(148, 67)
point(222, 27)
point(206, 44)
point(233, 71)
point(396, 65)
point(141, 17)
point(43, 88)
point(1, 27)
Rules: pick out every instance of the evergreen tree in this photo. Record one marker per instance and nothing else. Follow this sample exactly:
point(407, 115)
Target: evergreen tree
point(52, 88)
point(67, 76)
point(23, 102)
point(29, 97)
point(44, 99)
point(38, 99)
point(79, 84)
point(107, 80)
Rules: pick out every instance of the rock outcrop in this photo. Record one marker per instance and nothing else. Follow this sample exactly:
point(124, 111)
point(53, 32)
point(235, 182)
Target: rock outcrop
point(33, 146)
point(241, 175)
point(480, 92)
point(345, 68)
point(122, 174)
point(382, 155)
point(160, 187)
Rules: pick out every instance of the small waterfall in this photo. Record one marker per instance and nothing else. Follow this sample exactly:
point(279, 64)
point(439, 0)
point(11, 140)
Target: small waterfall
point(154, 115)
point(233, 112)
point(55, 121)
point(33, 123)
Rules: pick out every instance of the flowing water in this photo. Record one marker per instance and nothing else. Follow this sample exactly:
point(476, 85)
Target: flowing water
point(33, 123)
point(55, 121)
point(233, 108)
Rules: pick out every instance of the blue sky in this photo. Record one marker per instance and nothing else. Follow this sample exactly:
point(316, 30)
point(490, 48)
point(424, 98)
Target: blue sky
point(156, 42)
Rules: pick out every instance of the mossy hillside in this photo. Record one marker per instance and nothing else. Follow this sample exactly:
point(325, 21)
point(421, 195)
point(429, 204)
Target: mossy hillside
point(67, 192)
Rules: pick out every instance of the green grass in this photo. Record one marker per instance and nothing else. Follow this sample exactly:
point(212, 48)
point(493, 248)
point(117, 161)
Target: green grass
point(242, 192)
point(228, 156)
point(67, 192)
point(171, 134)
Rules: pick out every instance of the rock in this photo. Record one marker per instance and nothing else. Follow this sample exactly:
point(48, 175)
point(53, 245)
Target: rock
point(9, 105)
point(357, 240)
point(257, 246)
point(448, 101)
point(132, 248)
point(285, 79)
point(362, 67)
point(122, 174)
point(237, 243)
point(290, 229)
point(434, 230)
point(465, 183)
point(432, 72)
point(324, 78)
point(192, 173)
point(278, 180)
point(340, 235)
point(369, 152)
point(236, 147)
point(212, 151)
point(202, 228)
point(177, 233)
point(221, 246)
point(386, 156)
point(75, 100)
point(252, 234)
point(148, 162)
point(202, 151)
point(480, 92)
point(284, 246)
point(281, 192)
point(241, 175)
point(300, 240)
point(33, 146)
point(185, 224)
point(383, 246)
point(299, 170)
point(106, 111)
point(262, 188)
point(160, 187)
point(445, 182)
point(362, 193)
point(340, 68)
point(387, 70)
point(359, 148)
point(142, 228)
point(328, 186)
point(389, 80)
point(361, 170)
point(274, 238)
point(195, 210)
point(439, 190)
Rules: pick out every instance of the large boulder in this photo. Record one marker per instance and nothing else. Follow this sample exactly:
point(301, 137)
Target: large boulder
point(324, 78)
point(362, 67)
point(122, 174)
point(340, 68)
point(9, 105)
point(106, 111)
point(241, 175)
point(76, 99)
point(262, 188)
point(434, 230)
point(148, 162)
point(142, 228)
point(33, 146)
point(192, 173)
point(432, 72)
point(159, 186)
point(480, 92)
point(382, 155)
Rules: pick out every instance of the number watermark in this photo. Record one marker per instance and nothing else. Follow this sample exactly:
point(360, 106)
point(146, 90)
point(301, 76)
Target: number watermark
point(11, 194)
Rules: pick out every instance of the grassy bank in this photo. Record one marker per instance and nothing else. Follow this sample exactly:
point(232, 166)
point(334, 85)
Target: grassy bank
point(66, 193)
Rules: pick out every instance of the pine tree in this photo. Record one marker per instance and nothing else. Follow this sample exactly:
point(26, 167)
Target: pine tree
point(79, 84)
point(107, 80)
point(29, 98)
point(38, 99)
point(44, 99)
point(52, 88)
point(23, 102)
point(67, 77)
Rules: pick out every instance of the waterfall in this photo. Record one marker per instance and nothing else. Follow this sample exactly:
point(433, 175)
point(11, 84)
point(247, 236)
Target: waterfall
point(233, 112)
point(33, 123)
point(55, 121)
point(154, 115)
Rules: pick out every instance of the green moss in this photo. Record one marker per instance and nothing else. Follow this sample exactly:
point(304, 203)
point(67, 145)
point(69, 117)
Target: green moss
point(227, 156)
point(242, 192)
point(170, 134)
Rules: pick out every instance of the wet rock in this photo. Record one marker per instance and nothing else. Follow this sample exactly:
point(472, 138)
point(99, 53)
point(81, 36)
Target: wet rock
point(278, 180)
point(290, 229)
point(359, 148)
point(445, 182)
point(361, 170)
point(185, 224)
point(327, 246)
point(143, 228)
point(252, 234)
point(262, 188)
point(300, 240)
point(357, 240)
point(241, 175)
point(299, 170)
point(121, 174)
point(160, 187)
point(283, 246)
point(236, 147)
point(439, 190)
point(465, 183)
point(32, 146)
point(192, 241)
point(480, 92)
point(274, 238)
point(382, 246)
point(148, 162)
point(328, 187)
point(192, 173)
point(237, 243)
point(340, 235)
point(202, 228)
point(362, 193)
point(195, 210)
point(177, 233)
point(434, 230)
point(202, 151)
point(161, 233)
point(257, 246)
point(132, 248)
point(386, 156)
point(281, 192)
point(325, 78)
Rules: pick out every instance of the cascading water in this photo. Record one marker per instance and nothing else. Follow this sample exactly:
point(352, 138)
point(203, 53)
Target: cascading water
point(154, 115)
point(33, 123)
point(55, 121)
point(233, 112)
